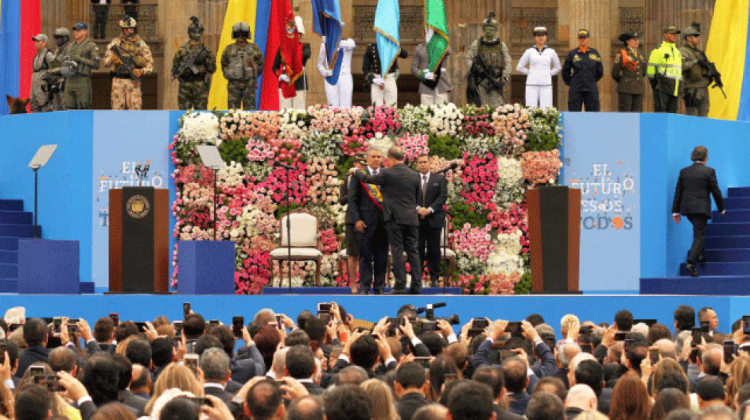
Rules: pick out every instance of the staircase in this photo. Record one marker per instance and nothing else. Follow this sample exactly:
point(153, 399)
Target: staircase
point(727, 271)
point(15, 224)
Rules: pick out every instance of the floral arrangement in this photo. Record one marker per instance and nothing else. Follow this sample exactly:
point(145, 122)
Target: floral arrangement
point(498, 154)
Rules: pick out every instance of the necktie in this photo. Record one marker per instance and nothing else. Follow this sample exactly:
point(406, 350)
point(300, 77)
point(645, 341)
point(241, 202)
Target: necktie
point(424, 188)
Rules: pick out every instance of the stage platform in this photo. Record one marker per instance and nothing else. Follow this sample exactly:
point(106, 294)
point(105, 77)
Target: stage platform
point(346, 291)
point(597, 308)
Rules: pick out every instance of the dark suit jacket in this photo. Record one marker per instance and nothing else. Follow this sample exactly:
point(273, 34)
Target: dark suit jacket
point(344, 196)
point(361, 206)
point(603, 401)
point(434, 198)
point(694, 186)
point(410, 403)
point(562, 374)
point(30, 356)
point(133, 401)
point(572, 412)
point(313, 388)
point(517, 403)
point(247, 363)
point(232, 387)
point(401, 192)
point(219, 393)
point(505, 414)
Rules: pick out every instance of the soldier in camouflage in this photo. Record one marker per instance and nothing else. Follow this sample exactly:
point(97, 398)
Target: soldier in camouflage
point(488, 61)
point(193, 65)
point(128, 58)
point(54, 79)
point(41, 99)
point(695, 72)
point(81, 57)
point(241, 64)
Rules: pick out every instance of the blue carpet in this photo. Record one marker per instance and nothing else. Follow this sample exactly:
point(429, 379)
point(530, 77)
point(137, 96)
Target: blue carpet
point(347, 291)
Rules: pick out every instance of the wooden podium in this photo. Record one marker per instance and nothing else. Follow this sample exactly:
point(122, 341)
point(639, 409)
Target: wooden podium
point(554, 236)
point(139, 240)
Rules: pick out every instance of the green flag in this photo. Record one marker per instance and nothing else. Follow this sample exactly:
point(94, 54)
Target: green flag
point(437, 32)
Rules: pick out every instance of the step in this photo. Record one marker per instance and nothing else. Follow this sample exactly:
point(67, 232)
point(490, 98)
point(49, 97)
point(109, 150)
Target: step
point(719, 269)
point(8, 285)
point(734, 241)
point(9, 271)
point(20, 231)
point(722, 229)
point(86, 287)
point(703, 285)
point(738, 192)
point(731, 216)
point(11, 205)
point(8, 243)
point(8, 257)
point(16, 218)
point(737, 203)
point(728, 254)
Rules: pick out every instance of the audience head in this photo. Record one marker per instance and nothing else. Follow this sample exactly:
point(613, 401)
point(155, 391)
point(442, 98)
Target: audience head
point(62, 359)
point(32, 402)
point(162, 352)
point(104, 330)
point(514, 372)
point(470, 400)
point(267, 340)
point(668, 400)
point(658, 332)
point(141, 382)
point(35, 332)
point(225, 336)
point(264, 317)
point(684, 318)
point(139, 351)
point(264, 401)
point(630, 400)
point(717, 412)
point(431, 412)
point(439, 370)
point(193, 326)
point(180, 408)
point(214, 363)
point(381, 398)
point(364, 352)
point(300, 362)
point(566, 322)
point(710, 391)
point(306, 408)
point(409, 376)
point(552, 385)
point(590, 373)
point(545, 406)
point(535, 319)
point(124, 330)
point(669, 374)
point(681, 414)
point(351, 375)
point(101, 377)
point(117, 411)
point(624, 320)
point(348, 402)
point(581, 396)
point(125, 370)
point(493, 378)
point(175, 376)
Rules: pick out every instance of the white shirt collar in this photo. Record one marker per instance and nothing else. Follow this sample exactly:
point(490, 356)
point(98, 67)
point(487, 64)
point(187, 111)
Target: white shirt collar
point(213, 385)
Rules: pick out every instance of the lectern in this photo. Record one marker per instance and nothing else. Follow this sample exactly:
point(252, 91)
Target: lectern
point(554, 236)
point(139, 240)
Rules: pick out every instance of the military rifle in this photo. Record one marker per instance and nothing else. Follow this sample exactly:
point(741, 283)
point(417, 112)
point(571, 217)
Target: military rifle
point(494, 84)
point(713, 74)
point(188, 62)
point(125, 70)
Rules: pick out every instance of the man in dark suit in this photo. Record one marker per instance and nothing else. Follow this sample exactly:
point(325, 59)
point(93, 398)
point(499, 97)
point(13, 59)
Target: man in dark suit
point(350, 236)
point(400, 187)
point(692, 198)
point(216, 373)
point(300, 365)
point(35, 334)
point(409, 386)
point(492, 377)
point(366, 211)
point(431, 216)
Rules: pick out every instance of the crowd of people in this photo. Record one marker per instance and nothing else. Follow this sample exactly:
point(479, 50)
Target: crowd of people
point(332, 366)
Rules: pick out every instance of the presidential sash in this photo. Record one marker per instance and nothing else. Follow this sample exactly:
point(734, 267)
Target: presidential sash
point(374, 193)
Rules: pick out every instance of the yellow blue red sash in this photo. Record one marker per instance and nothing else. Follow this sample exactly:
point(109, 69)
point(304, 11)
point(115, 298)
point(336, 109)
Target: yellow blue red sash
point(374, 193)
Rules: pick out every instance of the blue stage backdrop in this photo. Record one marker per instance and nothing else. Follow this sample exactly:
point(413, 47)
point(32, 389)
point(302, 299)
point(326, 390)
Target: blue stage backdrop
point(603, 163)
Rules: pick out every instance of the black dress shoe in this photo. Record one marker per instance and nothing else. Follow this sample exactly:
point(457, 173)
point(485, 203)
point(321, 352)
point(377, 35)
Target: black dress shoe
point(691, 269)
point(377, 292)
point(397, 292)
point(701, 260)
point(415, 292)
point(363, 292)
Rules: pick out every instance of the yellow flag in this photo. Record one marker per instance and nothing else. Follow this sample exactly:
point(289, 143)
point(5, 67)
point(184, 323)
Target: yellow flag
point(728, 23)
point(237, 11)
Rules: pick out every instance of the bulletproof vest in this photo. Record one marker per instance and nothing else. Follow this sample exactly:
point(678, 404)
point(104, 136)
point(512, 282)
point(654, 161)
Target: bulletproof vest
point(78, 68)
point(40, 61)
point(492, 53)
point(239, 67)
point(130, 46)
point(189, 50)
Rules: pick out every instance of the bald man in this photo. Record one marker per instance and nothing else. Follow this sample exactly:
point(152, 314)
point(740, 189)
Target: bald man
point(580, 398)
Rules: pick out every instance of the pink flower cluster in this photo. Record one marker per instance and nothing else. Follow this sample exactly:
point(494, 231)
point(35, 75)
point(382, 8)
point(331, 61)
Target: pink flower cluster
point(541, 167)
point(480, 177)
point(476, 242)
point(329, 241)
point(259, 150)
point(414, 146)
point(508, 221)
point(324, 182)
point(471, 284)
point(237, 125)
point(510, 124)
point(353, 144)
point(381, 119)
point(502, 284)
point(479, 124)
point(253, 274)
point(198, 174)
point(286, 151)
point(276, 184)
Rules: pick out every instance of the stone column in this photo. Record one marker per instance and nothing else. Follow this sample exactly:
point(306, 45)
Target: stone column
point(601, 18)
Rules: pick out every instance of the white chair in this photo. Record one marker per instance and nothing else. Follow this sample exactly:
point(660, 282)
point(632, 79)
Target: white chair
point(304, 243)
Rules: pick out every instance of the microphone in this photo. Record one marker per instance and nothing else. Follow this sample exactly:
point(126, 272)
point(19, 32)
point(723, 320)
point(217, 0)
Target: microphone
point(285, 166)
point(431, 306)
point(454, 165)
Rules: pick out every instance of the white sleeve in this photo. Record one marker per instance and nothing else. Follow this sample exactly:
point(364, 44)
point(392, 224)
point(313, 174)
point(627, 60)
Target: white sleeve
point(556, 67)
point(347, 44)
point(523, 63)
point(322, 60)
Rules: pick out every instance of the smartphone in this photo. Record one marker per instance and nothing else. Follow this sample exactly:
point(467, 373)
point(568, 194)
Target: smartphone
point(115, 318)
point(72, 328)
point(199, 401)
point(514, 328)
point(586, 329)
point(746, 324)
point(627, 344)
point(704, 326)
point(653, 354)
point(177, 326)
point(279, 322)
point(74, 320)
point(36, 370)
point(324, 312)
point(57, 324)
point(141, 326)
point(422, 361)
point(696, 332)
point(51, 382)
point(479, 323)
point(238, 322)
point(176, 340)
point(728, 351)
point(619, 336)
point(213, 323)
point(185, 309)
point(191, 362)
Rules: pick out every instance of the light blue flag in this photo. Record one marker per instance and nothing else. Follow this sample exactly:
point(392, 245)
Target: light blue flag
point(327, 22)
point(387, 21)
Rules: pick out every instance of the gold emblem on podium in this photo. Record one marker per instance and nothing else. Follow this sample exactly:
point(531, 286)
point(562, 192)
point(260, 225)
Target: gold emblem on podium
point(137, 206)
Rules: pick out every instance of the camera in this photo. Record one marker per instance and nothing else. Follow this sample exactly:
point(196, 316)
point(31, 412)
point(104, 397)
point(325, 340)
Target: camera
point(50, 382)
point(324, 312)
point(586, 329)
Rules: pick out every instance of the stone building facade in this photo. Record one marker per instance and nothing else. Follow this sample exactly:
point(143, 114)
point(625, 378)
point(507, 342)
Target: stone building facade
point(605, 19)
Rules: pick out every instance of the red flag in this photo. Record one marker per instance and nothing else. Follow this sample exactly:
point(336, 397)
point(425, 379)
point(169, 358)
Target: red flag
point(283, 38)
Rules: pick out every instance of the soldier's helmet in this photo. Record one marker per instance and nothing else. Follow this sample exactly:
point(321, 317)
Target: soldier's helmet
point(62, 32)
point(195, 27)
point(490, 21)
point(240, 29)
point(693, 30)
point(127, 22)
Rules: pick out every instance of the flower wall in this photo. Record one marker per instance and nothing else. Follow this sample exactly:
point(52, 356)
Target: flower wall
point(500, 154)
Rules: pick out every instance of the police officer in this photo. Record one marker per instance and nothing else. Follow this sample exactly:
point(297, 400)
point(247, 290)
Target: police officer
point(129, 59)
point(629, 71)
point(488, 60)
point(40, 97)
point(241, 64)
point(383, 89)
point(582, 69)
point(193, 65)
point(54, 78)
point(665, 72)
point(695, 71)
point(81, 57)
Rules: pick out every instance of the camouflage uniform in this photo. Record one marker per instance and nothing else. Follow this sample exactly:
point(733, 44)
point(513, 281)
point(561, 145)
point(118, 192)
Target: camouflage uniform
point(58, 98)
point(497, 62)
point(126, 84)
point(241, 65)
point(78, 86)
point(695, 72)
point(41, 100)
point(194, 87)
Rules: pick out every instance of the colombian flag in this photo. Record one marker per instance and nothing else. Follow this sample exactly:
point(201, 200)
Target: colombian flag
point(17, 26)
point(728, 26)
